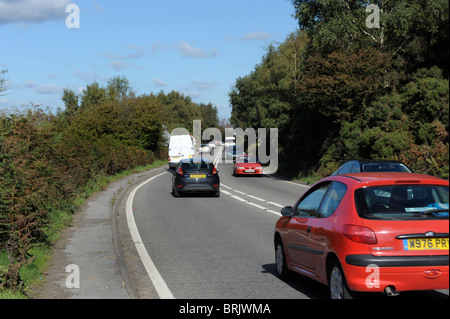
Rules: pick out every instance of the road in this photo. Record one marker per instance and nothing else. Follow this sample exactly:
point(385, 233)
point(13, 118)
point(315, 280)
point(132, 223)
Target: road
point(220, 248)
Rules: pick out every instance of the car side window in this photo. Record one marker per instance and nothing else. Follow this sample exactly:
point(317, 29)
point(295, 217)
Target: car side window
point(347, 169)
point(332, 199)
point(355, 168)
point(309, 205)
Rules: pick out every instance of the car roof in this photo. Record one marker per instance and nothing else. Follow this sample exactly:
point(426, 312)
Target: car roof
point(390, 178)
point(195, 159)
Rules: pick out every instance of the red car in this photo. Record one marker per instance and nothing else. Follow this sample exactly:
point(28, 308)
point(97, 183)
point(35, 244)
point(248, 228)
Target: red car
point(368, 232)
point(247, 165)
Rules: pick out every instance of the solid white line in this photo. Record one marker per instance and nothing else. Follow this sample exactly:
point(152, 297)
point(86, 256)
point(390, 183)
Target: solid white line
point(156, 278)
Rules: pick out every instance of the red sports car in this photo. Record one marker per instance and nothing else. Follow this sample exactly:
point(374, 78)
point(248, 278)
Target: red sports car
point(247, 165)
point(368, 232)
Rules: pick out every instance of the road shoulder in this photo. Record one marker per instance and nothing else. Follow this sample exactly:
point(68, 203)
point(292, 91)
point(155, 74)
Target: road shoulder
point(99, 245)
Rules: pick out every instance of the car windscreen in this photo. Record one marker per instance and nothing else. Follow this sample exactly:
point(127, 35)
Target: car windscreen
point(403, 202)
point(247, 159)
point(197, 166)
point(385, 167)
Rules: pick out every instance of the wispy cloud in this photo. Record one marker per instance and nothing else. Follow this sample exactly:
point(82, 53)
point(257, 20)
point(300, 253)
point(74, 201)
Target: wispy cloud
point(44, 88)
point(251, 36)
point(119, 65)
point(259, 36)
point(159, 82)
point(12, 11)
point(138, 53)
point(187, 50)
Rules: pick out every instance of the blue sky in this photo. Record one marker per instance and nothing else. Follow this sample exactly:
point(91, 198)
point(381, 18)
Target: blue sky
point(196, 47)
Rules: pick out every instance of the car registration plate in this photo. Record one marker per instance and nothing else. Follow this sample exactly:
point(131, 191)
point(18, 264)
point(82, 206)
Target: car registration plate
point(249, 171)
point(198, 176)
point(425, 244)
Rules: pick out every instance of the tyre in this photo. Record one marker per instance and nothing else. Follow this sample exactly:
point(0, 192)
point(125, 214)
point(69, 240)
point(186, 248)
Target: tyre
point(175, 193)
point(337, 284)
point(280, 261)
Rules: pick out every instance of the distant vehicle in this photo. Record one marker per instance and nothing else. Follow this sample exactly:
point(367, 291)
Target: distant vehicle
point(394, 224)
point(204, 148)
point(247, 165)
point(372, 166)
point(195, 175)
point(180, 147)
point(230, 141)
point(233, 152)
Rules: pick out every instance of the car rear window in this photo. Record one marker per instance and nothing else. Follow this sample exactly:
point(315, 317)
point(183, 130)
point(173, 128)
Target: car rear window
point(196, 166)
point(385, 167)
point(403, 202)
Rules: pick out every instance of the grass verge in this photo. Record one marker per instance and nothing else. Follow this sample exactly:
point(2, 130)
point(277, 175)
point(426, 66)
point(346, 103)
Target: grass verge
point(59, 218)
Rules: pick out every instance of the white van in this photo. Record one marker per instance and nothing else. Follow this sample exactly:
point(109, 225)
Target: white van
point(180, 147)
point(230, 141)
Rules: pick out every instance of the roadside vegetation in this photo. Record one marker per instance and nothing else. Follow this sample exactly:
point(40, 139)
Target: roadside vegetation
point(50, 163)
point(338, 90)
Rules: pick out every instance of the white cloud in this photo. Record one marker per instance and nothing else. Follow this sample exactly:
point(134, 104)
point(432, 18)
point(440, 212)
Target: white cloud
point(159, 82)
point(138, 52)
point(44, 88)
point(119, 65)
point(32, 10)
point(251, 36)
point(187, 50)
point(203, 85)
point(260, 36)
point(86, 76)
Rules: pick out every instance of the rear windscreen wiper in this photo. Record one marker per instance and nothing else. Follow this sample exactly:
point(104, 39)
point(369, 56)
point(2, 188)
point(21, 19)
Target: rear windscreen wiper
point(435, 211)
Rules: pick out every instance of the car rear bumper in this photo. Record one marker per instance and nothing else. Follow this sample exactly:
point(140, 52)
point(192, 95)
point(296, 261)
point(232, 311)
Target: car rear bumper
point(197, 188)
point(209, 184)
point(404, 273)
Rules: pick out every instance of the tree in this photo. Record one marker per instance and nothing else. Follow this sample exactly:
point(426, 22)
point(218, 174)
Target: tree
point(3, 81)
point(414, 30)
point(118, 88)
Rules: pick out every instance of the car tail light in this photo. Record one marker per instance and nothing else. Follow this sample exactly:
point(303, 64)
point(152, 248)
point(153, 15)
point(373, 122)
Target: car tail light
point(180, 172)
point(214, 172)
point(360, 234)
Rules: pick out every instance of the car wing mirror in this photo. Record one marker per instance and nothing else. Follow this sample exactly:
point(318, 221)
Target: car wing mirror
point(286, 211)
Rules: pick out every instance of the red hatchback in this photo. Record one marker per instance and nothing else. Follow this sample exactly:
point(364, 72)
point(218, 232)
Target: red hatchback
point(368, 232)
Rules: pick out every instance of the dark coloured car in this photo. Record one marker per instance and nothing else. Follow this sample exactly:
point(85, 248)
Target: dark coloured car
point(372, 166)
point(197, 175)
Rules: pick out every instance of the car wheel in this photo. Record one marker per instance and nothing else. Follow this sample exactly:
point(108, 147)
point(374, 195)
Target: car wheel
point(337, 283)
point(175, 193)
point(217, 194)
point(280, 261)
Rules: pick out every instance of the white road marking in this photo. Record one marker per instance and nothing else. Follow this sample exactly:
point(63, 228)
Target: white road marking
point(243, 200)
point(156, 278)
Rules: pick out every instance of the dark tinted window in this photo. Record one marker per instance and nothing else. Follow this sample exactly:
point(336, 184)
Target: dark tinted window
point(195, 166)
point(310, 204)
point(403, 202)
point(332, 199)
point(385, 167)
